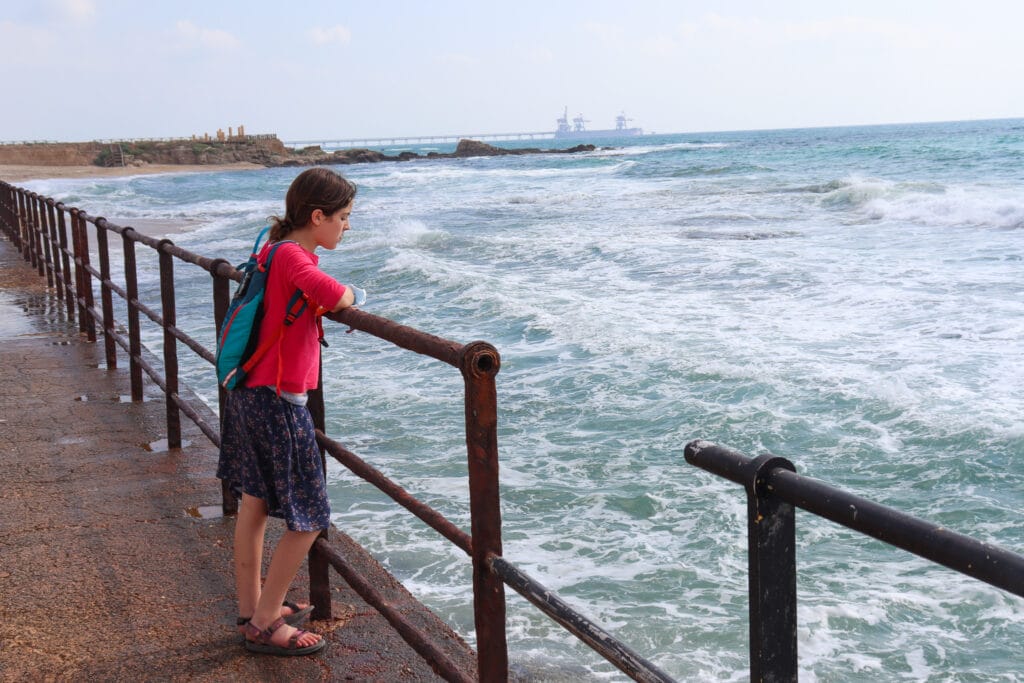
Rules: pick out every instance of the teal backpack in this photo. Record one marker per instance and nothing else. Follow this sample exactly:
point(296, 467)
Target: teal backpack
point(238, 347)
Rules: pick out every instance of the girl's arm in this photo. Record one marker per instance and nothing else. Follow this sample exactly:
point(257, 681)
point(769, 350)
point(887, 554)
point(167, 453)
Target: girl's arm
point(345, 301)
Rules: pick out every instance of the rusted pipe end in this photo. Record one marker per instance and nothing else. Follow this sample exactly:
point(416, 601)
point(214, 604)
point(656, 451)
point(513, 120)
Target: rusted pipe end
point(694, 448)
point(479, 359)
point(100, 222)
point(164, 243)
point(129, 233)
point(216, 264)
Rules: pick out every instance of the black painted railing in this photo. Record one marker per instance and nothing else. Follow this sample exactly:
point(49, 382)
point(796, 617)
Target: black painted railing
point(55, 239)
point(774, 489)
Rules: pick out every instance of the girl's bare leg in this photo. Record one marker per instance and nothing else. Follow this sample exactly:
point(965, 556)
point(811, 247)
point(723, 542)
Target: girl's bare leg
point(250, 527)
point(288, 557)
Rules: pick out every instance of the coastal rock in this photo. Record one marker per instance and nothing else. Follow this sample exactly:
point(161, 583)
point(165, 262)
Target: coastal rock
point(264, 150)
point(475, 148)
point(357, 156)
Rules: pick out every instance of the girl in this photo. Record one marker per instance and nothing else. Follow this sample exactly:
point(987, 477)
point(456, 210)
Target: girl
point(268, 449)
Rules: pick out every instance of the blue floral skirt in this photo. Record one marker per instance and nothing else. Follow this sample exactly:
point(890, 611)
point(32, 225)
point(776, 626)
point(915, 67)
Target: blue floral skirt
point(268, 450)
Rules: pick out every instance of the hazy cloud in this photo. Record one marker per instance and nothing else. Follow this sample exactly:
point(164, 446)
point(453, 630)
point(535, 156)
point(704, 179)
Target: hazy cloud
point(77, 10)
point(212, 38)
point(606, 33)
point(456, 59)
point(334, 34)
point(900, 34)
point(756, 29)
point(23, 44)
point(541, 55)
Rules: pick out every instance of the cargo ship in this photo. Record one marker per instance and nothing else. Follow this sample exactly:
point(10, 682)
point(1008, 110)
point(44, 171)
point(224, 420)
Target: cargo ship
point(578, 129)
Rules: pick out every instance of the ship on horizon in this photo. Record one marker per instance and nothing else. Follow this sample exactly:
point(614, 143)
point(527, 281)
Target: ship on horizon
point(579, 128)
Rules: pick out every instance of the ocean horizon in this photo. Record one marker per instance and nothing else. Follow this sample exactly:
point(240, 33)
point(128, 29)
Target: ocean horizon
point(850, 298)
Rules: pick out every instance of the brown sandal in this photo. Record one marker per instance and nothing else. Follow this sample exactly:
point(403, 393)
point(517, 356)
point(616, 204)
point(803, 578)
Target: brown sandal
point(259, 641)
point(298, 615)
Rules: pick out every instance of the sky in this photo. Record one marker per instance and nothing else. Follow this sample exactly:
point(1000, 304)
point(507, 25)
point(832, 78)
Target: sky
point(81, 70)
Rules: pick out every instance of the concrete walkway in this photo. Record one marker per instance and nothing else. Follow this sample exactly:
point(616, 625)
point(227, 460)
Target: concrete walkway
point(105, 572)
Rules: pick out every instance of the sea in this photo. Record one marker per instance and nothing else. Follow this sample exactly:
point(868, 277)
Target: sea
point(849, 298)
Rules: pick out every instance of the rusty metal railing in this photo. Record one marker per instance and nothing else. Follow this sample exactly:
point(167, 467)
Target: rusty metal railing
point(774, 489)
point(54, 238)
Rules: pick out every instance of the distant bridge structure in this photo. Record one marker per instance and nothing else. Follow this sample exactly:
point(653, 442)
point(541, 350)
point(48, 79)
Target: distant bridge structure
point(417, 139)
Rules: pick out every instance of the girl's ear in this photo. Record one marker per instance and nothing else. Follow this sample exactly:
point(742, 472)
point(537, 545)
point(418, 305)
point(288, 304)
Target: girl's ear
point(317, 216)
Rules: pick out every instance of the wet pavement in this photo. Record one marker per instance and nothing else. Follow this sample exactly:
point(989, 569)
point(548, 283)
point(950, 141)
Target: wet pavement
point(114, 564)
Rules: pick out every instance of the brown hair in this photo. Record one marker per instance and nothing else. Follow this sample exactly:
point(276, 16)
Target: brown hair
point(315, 188)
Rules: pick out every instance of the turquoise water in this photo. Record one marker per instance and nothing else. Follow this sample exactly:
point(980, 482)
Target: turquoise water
point(849, 298)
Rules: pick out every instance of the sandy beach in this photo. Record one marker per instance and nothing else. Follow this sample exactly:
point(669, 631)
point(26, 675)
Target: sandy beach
point(154, 227)
point(16, 173)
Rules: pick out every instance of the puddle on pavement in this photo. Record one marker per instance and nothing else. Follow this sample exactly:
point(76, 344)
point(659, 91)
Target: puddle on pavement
point(32, 314)
point(205, 511)
point(160, 446)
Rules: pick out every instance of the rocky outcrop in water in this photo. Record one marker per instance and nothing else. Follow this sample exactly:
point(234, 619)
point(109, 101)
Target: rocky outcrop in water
point(265, 150)
point(311, 156)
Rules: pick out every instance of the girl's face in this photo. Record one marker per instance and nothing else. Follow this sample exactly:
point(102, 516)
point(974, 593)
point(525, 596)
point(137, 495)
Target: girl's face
point(328, 229)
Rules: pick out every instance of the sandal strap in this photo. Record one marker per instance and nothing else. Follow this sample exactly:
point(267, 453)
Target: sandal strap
point(252, 633)
point(294, 607)
point(255, 634)
point(278, 623)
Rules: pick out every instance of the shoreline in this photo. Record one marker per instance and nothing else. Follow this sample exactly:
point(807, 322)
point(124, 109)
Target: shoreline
point(17, 173)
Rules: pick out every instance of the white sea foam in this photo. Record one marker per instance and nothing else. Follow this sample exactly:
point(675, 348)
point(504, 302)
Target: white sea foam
point(932, 204)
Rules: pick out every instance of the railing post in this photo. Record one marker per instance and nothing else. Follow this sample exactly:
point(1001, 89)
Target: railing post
point(4, 217)
point(90, 328)
point(76, 245)
point(170, 318)
point(31, 216)
point(131, 282)
point(221, 299)
point(106, 296)
point(23, 231)
point(8, 195)
point(54, 245)
point(479, 362)
point(771, 539)
point(44, 236)
point(38, 242)
point(62, 236)
point(11, 215)
point(319, 567)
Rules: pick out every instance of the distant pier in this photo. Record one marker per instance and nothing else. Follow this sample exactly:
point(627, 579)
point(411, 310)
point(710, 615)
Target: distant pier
point(417, 139)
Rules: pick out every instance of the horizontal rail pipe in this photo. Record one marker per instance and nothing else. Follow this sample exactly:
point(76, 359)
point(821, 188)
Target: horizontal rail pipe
point(599, 640)
point(367, 472)
point(983, 561)
point(408, 338)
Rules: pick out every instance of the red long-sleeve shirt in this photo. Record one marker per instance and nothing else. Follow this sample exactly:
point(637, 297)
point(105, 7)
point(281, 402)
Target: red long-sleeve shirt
point(294, 364)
